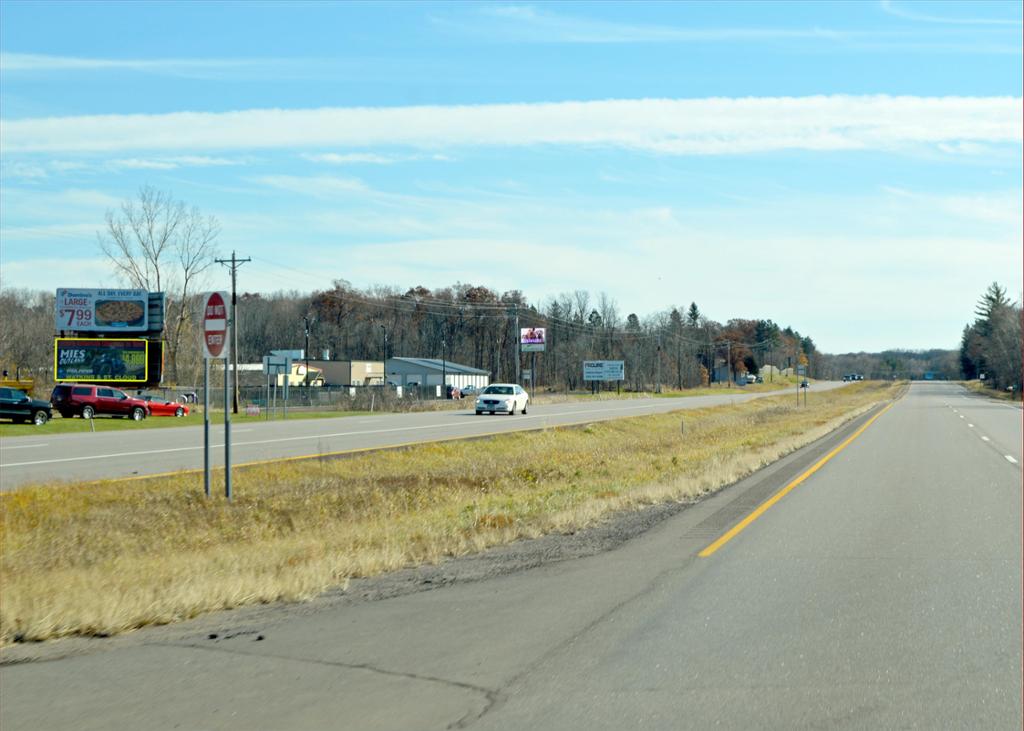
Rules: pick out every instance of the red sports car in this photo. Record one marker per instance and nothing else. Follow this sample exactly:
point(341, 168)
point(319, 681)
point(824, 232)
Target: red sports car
point(163, 407)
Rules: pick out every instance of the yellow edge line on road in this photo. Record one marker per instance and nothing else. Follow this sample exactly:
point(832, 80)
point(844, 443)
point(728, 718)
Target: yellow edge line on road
point(763, 507)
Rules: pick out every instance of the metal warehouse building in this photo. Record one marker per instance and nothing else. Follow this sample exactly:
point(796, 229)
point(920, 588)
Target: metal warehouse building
point(431, 371)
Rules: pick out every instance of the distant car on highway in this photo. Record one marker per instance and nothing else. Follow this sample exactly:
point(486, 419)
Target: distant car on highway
point(19, 407)
point(502, 398)
point(88, 400)
point(804, 384)
point(470, 390)
point(162, 407)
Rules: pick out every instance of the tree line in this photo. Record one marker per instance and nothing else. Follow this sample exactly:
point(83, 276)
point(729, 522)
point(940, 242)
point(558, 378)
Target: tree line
point(477, 326)
point(468, 324)
point(990, 347)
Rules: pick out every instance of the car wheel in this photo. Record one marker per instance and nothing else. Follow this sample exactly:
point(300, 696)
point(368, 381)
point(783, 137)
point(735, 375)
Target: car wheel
point(478, 413)
point(525, 403)
point(39, 417)
point(179, 412)
point(88, 412)
point(138, 414)
point(512, 409)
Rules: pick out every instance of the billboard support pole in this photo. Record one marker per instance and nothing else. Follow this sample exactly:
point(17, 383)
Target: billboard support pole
point(206, 428)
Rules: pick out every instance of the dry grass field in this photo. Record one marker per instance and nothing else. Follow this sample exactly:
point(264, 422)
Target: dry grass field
point(114, 556)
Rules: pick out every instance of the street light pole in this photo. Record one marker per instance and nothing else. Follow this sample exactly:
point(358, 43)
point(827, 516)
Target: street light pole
point(444, 369)
point(305, 321)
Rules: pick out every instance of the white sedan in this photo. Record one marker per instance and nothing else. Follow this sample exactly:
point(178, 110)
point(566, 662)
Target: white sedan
point(502, 398)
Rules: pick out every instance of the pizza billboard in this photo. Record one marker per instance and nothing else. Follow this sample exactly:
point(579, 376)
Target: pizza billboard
point(100, 359)
point(102, 310)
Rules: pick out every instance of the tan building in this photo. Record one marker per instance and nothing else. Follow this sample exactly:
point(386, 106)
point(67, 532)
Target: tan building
point(350, 372)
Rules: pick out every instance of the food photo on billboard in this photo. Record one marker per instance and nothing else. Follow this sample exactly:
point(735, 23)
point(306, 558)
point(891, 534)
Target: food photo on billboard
point(102, 310)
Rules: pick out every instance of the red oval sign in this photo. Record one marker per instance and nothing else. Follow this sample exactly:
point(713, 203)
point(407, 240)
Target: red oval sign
point(215, 325)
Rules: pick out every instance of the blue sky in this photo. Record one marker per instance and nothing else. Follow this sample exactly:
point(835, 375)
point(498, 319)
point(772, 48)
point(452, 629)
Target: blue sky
point(851, 169)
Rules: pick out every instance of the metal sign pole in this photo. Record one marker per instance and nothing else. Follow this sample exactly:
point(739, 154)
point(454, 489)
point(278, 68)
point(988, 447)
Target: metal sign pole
point(206, 427)
point(227, 431)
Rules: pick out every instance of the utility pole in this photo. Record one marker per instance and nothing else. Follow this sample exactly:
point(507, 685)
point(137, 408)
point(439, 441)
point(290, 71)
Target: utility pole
point(515, 340)
point(728, 361)
point(305, 322)
point(658, 388)
point(233, 263)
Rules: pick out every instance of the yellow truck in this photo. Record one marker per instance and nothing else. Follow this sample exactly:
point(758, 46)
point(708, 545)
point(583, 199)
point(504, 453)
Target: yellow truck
point(12, 378)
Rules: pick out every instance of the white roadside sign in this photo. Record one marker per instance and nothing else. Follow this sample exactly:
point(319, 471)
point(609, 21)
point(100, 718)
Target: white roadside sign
point(604, 370)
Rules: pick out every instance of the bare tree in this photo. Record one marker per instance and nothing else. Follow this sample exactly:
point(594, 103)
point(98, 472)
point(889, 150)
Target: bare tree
point(26, 339)
point(160, 245)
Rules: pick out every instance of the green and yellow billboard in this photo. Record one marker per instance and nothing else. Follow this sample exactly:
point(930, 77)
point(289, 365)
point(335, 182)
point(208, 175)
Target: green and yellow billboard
point(101, 359)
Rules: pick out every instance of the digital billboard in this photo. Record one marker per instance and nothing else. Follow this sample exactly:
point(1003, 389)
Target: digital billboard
point(532, 339)
point(100, 359)
point(102, 310)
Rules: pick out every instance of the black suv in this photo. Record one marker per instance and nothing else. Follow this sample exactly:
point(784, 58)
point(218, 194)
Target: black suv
point(19, 408)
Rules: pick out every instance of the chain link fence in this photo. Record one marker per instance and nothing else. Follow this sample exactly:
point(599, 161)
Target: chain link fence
point(260, 400)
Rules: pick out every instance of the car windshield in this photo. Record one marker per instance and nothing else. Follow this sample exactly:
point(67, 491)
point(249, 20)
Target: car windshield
point(503, 390)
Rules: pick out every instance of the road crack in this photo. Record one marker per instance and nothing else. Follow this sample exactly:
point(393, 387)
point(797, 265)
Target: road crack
point(491, 696)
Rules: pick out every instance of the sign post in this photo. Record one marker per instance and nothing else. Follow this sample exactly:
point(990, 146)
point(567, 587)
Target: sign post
point(215, 345)
point(206, 428)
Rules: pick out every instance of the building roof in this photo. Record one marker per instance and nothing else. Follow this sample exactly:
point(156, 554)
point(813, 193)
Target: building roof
point(435, 364)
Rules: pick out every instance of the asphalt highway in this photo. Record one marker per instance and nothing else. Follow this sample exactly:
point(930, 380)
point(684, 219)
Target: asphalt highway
point(883, 590)
point(127, 453)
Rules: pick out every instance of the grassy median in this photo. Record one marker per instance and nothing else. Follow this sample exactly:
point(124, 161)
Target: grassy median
point(110, 557)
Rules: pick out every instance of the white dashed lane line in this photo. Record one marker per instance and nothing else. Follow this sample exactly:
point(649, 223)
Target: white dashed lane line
point(1009, 458)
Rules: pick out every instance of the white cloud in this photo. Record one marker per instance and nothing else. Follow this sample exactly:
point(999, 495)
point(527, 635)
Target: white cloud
point(323, 186)
point(172, 163)
point(354, 158)
point(24, 171)
point(670, 126)
point(209, 68)
point(529, 23)
point(892, 8)
point(49, 232)
point(137, 164)
point(1002, 208)
point(49, 273)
